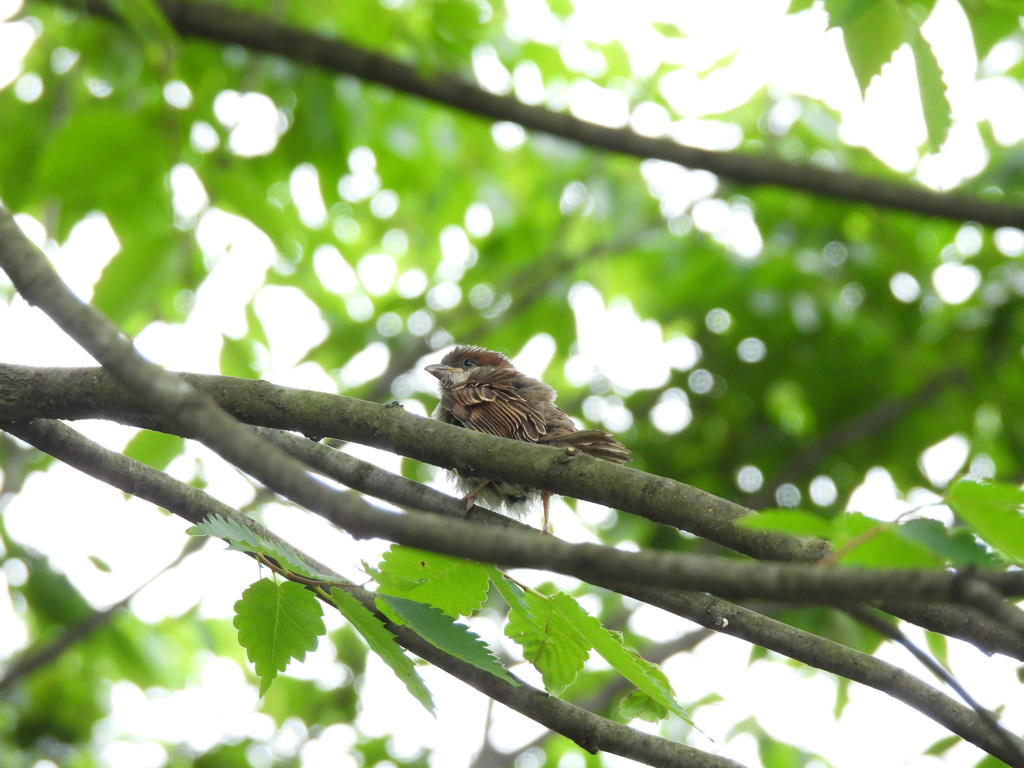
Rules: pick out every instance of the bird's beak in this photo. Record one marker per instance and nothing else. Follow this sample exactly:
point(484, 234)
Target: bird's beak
point(440, 371)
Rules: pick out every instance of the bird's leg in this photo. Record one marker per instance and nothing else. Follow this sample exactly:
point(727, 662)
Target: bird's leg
point(470, 498)
point(546, 498)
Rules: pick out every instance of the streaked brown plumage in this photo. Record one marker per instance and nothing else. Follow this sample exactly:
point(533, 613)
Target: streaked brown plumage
point(482, 390)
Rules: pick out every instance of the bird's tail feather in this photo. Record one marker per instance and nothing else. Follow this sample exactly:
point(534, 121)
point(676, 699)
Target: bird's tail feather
point(595, 442)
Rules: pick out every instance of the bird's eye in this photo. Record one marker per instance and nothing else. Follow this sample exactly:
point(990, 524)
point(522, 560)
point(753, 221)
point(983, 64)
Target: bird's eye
point(469, 362)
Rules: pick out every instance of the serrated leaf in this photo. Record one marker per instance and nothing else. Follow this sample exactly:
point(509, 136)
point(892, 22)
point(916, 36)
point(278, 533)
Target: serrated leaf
point(556, 635)
point(382, 642)
point(277, 623)
point(639, 705)
point(510, 592)
point(456, 586)
point(443, 632)
point(993, 510)
point(872, 31)
point(231, 531)
point(244, 539)
point(544, 627)
point(647, 677)
point(938, 113)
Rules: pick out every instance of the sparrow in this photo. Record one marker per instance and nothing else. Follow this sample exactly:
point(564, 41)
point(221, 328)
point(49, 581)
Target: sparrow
point(481, 390)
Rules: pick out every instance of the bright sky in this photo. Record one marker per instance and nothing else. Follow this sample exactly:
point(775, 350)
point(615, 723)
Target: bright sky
point(790, 705)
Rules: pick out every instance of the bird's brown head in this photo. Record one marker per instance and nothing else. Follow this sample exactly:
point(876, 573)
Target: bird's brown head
point(462, 362)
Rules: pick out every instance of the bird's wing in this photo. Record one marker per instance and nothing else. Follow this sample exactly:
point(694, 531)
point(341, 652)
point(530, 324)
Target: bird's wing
point(495, 408)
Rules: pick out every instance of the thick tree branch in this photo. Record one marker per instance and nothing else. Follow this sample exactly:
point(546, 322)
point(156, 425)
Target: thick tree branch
point(82, 393)
point(258, 33)
point(727, 578)
point(719, 576)
point(961, 621)
point(93, 393)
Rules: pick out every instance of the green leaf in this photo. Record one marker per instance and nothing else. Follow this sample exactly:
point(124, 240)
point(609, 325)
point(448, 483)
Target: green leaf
point(991, 23)
point(242, 538)
point(647, 677)
point(441, 631)
point(861, 540)
point(550, 639)
point(101, 156)
point(556, 635)
point(277, 623)
point(872, 31)
point(942, 746)
point(100, 563)
point(957, 546)
point(938, 114)
point(156, 449)
point(382, 642)
point(938, 647)
point(993, 510)
point(842, 697)
point(238, 357)
point(456, 586)
point(510, 592)
point(130, 289)
point(639, 705)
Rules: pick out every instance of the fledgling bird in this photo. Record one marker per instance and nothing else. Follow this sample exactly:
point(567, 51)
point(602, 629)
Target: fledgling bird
point(482, 390)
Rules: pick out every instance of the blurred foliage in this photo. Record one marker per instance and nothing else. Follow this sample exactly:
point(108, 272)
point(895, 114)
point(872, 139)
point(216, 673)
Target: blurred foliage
point(821, 353)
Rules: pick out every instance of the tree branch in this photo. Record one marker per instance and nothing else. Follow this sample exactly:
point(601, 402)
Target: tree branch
point(171, 397)
point(960, 621)
point(193, 504)
point(833, 657)
point(590, 731)
point(463, 538)
point(91, 393)
point(258, 33)
point(884, 628)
